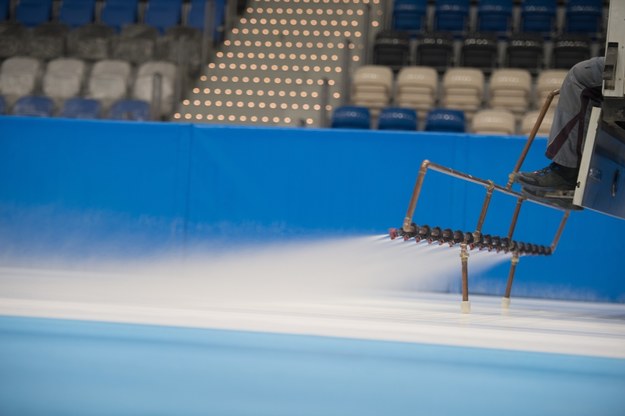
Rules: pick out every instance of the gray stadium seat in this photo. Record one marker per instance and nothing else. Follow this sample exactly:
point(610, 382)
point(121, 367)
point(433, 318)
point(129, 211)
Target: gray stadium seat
point(143, 88)
point(47, 41)
point(109, 81)
point(136, 43)
point(19, 76)
point(64, 78)
point(13, 39)
point(90, 42)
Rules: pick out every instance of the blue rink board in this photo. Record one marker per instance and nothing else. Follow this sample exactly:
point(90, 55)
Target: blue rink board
point(63, 367)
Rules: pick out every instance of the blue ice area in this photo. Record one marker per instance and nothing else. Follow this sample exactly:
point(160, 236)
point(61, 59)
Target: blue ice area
point(64, 367)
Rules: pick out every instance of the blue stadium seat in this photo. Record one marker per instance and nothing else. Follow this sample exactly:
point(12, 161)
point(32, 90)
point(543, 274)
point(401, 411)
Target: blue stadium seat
point(34, 106)
point(3, 105)
point(538, 16)
point(4, 9)
point(409, 15)
point(442, 119)
point(494, 15)
point(84, 108)
point(451, 15)
point(163, 15)
point(584, 16)
point(117, 15)
point(395, 118)
point(137, 110)
point(351, 117)
point(32, 13)
point(195, 18)
point(76, 13)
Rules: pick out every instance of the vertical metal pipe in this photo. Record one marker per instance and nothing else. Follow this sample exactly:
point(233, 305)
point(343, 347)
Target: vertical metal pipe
point(556, 238)
point(323, 111)
point(365, 35)
point(489, 195)
point(209, 30)
point(415, 196)
point(157, 96)
point(347, 71)
point(388, 14)
point(513, 264)
point(515, 217)
point(532, 136)
point(464, 258)
point(231, 15)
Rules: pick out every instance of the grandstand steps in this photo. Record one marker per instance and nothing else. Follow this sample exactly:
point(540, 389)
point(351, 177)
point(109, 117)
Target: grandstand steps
point(271, 68)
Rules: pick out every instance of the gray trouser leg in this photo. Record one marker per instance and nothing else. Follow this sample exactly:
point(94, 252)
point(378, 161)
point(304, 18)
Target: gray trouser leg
point(564, 138)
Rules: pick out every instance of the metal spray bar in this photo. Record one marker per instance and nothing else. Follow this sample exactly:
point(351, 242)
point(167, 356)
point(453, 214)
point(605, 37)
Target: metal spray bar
point(475, 239)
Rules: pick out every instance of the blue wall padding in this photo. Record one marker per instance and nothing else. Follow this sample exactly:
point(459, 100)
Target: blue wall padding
point(73, 187)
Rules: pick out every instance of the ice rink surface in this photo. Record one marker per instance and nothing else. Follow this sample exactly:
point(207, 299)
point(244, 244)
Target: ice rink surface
point(149, 342)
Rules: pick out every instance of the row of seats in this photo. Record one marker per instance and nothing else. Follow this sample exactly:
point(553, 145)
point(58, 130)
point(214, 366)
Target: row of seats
point(480, 50)
point(107, 80)
point(466, 89)
point(538, 16)
point(490, 121)
point(161, 14)
point(137, 43)
point(78, 108)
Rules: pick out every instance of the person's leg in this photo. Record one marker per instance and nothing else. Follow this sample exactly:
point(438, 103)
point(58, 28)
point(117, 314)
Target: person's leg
point(580, 88)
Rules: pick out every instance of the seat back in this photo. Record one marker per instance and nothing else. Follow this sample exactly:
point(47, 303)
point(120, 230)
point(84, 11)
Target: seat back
point(32, 13)
point(569, 49)
point(64, 78)
point(583, 16)
point(34, 106)
point(19, 76)
point(409, 15)
point(435, 50)
point(396, 118)
point(451, 15)
point(76, 13)
point(494, 15)
point(493, 122)
point(480, 51)
point(445, 120)
point(109, 80)
point(82, 108)
point(538, 16)
point(392, 49)
point(525, 50)
point(137, 110)
point(351, 117)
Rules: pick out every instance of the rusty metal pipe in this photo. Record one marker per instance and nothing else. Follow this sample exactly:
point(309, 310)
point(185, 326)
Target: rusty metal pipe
point(407, 225)
point(515, 217)
point(556, 238)
point(532, 136)
point(464, 258)
point(513, 264)
point(485, 205)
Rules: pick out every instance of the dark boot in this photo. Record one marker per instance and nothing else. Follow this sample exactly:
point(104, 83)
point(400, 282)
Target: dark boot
point(552, 178)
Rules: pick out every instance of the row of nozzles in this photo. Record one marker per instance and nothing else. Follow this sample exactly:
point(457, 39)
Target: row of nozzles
point(473, 240)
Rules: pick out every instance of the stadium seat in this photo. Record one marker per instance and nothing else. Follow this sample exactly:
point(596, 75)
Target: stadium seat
point(137, 110)
point(409, 15)
point(417, 88)
point(493, 122)
point(13, 39)
point(479, 50)
point(76, 13)
point(3, 105)
point(529, 120)
point(181, 45)
point(538, 16)
point(48, 41)
point(451, 15)
point(4, 10)
point(372, 87)
point(34, 106)
point(32, 13)
point(583, 16)
point(396, 118)
point(525, 51)
point(445, 120)
point(547, 81)
point(351, 117)
point(510, 90)
point(90, 42)
point(118, 14)
point(64, 78)
point(494, 16)
point(391, 49)
point(569, 49)
point(163, 14)
point(136, 44)
point(435, 50)
point(19, 76)
point(83, 108)
point(109, 81)
point(463, 89)
point(143, 88)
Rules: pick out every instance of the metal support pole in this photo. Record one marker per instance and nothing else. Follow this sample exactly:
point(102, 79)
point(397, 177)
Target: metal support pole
point(407, 226)
point(209, 30)
point(480, 222)
point(515, 218)
point(323, 111)
point(347, 71)
point(464, 258)
point(157, 96)
point(505, 302)
point(365, 35)
point(556, 238)
point(531, 136)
